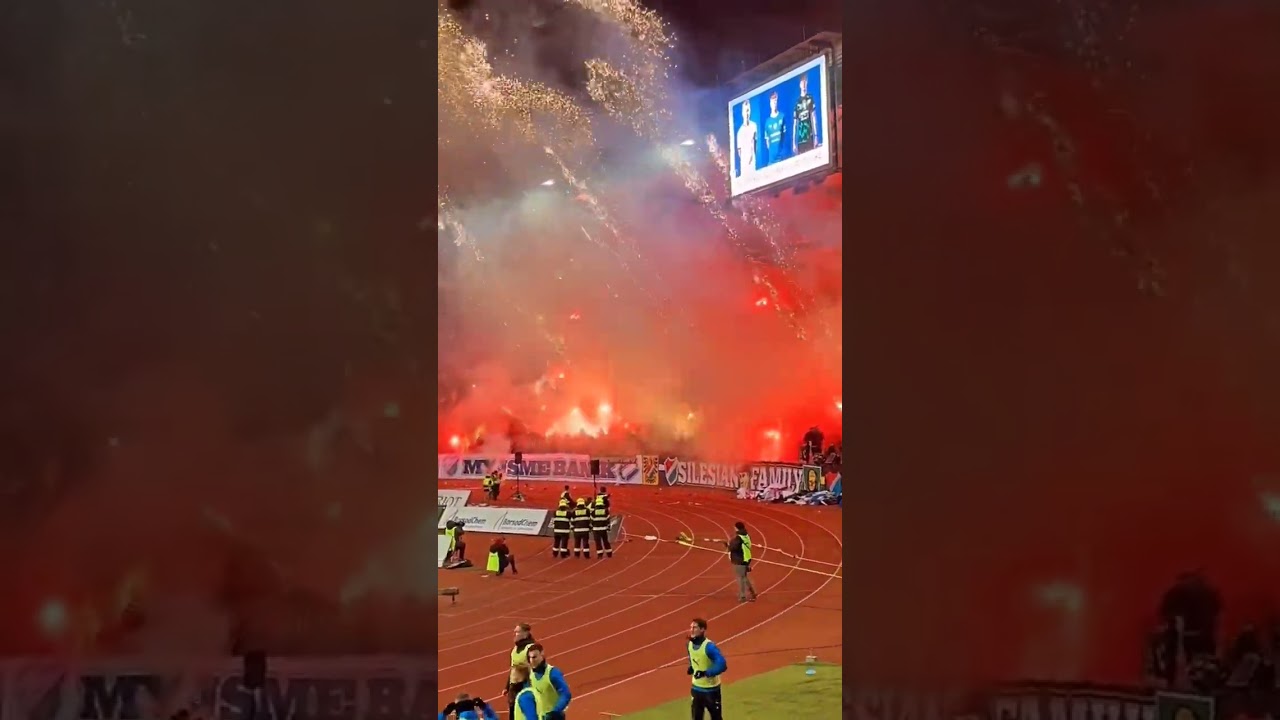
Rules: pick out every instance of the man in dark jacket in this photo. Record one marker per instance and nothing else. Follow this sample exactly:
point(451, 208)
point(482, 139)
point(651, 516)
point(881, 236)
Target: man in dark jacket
point(740, 558)
point(581, 523)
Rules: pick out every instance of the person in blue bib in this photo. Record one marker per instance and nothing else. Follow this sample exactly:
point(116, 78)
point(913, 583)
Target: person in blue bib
point(706, 665)
point(550, 692)
point(467, 708)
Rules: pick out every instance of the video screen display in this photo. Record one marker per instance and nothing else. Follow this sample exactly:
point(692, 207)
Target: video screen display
point(781, 128)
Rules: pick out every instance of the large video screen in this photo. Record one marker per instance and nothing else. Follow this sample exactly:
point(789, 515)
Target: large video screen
point(781, 128)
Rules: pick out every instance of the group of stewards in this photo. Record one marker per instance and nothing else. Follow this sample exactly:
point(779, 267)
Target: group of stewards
point(537, 690)
point(582, 523)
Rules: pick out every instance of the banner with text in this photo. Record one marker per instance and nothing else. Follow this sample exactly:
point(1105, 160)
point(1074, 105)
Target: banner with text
point(450, 500)
point(673, 471)
point(770, 481)
point(499, 521)
point(551, 467)
point(388, 688)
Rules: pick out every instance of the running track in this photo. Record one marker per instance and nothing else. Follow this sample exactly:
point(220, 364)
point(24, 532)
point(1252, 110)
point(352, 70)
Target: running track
point(616, 627)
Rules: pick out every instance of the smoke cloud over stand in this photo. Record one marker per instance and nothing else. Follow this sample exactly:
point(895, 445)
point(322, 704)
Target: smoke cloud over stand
point(594, 282)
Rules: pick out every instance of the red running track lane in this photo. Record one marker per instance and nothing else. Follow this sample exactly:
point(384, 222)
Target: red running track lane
point(616, 627)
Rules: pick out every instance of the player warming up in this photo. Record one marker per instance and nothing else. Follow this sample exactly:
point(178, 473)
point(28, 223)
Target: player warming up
point(706, 665)
point(581, 529)
point(518, 676)
point(551, 692)
point(600, 528)
point(561, 529)
point(524, 703)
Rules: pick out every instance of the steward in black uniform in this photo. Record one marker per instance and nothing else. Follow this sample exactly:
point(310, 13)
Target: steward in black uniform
point(604, 495)
point(561, 529)
point(581, 529)
point(565, 497)
point(600, 527)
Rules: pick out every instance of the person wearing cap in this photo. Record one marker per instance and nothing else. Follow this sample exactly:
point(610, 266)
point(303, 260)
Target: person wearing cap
point(740, 558)
point(581, 529)
point(561, 528)
point(600, 528)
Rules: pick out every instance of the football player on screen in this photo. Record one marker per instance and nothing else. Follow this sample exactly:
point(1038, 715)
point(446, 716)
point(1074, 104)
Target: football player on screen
point(804, 121)
point(745, 142)
point(774, 128)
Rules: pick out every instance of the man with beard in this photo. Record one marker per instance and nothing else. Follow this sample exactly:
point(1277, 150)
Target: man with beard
point(549, 687)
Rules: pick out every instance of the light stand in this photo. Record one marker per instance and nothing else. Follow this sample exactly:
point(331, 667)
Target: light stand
point(595, 473)
point(518, 496)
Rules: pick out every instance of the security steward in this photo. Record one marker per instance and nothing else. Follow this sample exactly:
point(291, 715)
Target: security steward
point(561, 528)
point(566, 496)
point(451, 532)
point(600, 528)
point(581, 523)
point(740, 558)
point(487, 484)
point(604, 495)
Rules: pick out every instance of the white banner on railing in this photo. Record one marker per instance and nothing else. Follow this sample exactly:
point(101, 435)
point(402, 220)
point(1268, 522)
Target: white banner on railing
point(551, 467)
point(499, 521)
point(450, 500)
point(347, 688)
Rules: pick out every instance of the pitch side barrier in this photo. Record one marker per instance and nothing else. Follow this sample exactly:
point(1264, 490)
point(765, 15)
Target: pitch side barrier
point(772, 478)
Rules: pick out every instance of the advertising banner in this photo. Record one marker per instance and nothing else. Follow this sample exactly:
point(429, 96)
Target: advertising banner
point(387, 688)
point(551, 467)
point(451, 500)
point(500, 521)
